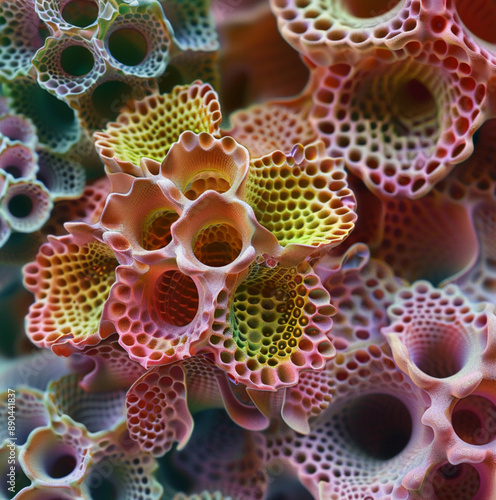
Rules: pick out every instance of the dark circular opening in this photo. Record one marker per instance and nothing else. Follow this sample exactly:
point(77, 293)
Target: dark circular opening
point(77, 60)
point(128, 46)
point(380, 425)
point(80, 13)
point(460, 482)
point(102, 488)
point(62, 466)
point(20, 205)
point(176, 298)
point(474, 420)
point(110, 97)
point(369, 8)
point(439, 352)
point(217, 245)
point(14, 171)
point(481, 20)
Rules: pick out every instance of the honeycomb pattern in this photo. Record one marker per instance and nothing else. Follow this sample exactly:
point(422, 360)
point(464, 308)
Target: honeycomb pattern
point(198, 163)
point(112, 369)
point(400, 125)
point(157, 410)
point(193, 24)
point(273, 126)
point(98, 411)
point(69, 65)
point(63, 177)
point(440, 330)
point(102, 101)
point(26, 206)
point(68, 15)
point(277, 325)
point(347, 452)
point(362, 288)
point(302, 199)
point(131, 475)
point(136, 38)
point(194, 107)
point(142, 307)
point(56, 458)
point(22, 34)
point(321, 31)
point(71, 282)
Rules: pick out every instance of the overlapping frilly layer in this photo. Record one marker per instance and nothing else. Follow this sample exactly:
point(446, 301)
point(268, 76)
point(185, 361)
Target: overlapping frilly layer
point(298, 304)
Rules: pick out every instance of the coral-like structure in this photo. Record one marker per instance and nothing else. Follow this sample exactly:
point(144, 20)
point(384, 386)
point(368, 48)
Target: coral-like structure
point(247, 250)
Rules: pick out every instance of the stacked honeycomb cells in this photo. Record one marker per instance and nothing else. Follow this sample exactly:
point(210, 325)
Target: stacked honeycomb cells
point(257, 241)
point(400, 86)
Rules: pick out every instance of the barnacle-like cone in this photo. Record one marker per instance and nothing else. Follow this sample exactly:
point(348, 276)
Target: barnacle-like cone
point(446, 345)
point(26, 205)
point(71, 280)
point(200, 162)
point(57, 457)
point(401, 126)
point(303, 199)
point(159, 312)
point(148, 128)
point(273, 325)
point(69, 65)
point(137, 38)
point(367, 439)
point(438, 337)
point(218, 236)
point(146, 230)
